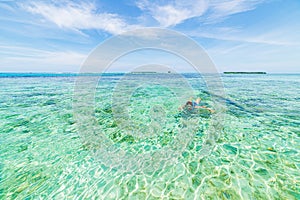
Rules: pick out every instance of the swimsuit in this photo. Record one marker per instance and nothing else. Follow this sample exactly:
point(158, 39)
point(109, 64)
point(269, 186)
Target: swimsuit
point(194, 104)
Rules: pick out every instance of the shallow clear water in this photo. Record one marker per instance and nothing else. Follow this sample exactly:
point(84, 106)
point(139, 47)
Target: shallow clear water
point(44, 153)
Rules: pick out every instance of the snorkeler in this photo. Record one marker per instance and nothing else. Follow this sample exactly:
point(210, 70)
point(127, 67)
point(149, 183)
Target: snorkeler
point(190, 105)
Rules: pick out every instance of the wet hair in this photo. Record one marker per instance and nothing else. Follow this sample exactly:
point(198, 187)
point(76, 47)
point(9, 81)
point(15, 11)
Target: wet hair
point(189, 105)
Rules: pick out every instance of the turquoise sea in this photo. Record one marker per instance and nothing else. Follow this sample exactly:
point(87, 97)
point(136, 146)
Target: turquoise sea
point(45, 154)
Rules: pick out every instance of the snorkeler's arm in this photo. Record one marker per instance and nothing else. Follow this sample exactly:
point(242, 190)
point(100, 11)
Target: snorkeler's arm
point(210, 110)
point(200, 107)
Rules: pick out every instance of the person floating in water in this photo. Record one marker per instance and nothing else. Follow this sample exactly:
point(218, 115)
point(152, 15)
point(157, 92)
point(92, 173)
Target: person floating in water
point(191, 105)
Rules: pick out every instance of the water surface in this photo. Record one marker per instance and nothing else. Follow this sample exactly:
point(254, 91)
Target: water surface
point(43, 154)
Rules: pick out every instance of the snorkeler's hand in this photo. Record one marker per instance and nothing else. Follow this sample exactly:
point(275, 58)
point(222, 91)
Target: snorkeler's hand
point(210, 110)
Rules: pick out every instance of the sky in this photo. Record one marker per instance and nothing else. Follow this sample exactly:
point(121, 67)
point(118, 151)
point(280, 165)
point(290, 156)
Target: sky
point(238, 35)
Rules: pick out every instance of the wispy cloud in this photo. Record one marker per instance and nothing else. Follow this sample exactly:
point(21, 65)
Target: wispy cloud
point(18, 58)
point(277, 36)
point(221, 9)
point(255, 57)
point(175, 12)
point(77, 16)
point(80, 16)
point(258, 39)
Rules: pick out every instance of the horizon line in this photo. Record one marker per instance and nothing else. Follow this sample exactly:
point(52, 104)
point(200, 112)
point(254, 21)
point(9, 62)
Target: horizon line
point(99, 73)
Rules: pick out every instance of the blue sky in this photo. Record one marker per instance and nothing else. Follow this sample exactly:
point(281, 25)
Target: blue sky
point(239, 35)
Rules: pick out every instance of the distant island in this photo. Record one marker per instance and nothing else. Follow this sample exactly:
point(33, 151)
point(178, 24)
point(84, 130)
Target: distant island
point(245, 72)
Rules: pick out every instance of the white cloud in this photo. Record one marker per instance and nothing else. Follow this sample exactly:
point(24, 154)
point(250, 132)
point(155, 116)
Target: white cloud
point(175, 11)
point(78, 16)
